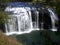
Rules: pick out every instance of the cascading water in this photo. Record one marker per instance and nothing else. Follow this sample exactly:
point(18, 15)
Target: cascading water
point(35, 20)
point(20, 21)
point(23, 21)
point(54, 18)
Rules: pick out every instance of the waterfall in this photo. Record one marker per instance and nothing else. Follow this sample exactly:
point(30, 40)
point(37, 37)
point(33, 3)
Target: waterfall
point(37, 27)
point(54, 18)
point(21, 20)
point(35, 20)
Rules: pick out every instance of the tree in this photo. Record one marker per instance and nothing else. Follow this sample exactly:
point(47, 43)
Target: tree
point(3, 18)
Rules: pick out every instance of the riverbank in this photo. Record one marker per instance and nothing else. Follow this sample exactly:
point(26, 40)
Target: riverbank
point(7, 40)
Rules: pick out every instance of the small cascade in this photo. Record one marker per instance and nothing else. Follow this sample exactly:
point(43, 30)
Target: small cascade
point(53, 19)
point(42, 22)
point(31, 23)
point(42, 26)
point(36, 20)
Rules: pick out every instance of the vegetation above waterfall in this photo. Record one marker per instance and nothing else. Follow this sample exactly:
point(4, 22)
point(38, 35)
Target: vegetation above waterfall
point(3, 17)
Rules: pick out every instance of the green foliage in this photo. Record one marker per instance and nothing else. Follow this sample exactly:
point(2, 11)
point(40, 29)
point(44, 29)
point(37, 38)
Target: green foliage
point(4, 1)
point(6, 40)
point(7, 1)
point(36, 1)
point(3, 17)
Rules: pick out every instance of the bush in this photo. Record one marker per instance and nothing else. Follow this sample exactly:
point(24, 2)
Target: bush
point(6, 40)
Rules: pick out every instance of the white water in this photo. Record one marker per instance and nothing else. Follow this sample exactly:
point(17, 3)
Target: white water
point(20, 21)
point(53, 19)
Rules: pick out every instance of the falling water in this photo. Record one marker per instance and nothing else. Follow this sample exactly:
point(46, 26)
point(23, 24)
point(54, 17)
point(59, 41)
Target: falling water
point(53, 19)
point(42, 23)
point(36, 22)
point(20, 20)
